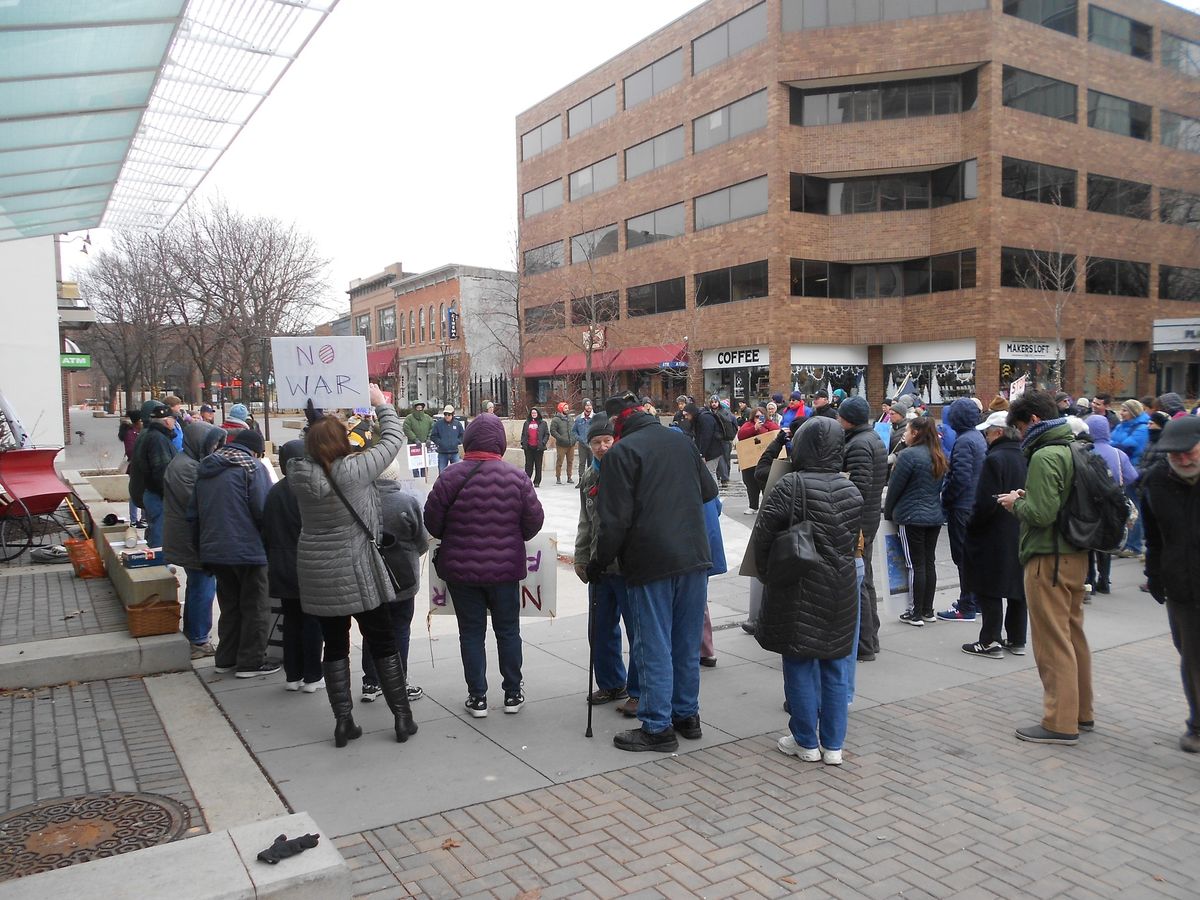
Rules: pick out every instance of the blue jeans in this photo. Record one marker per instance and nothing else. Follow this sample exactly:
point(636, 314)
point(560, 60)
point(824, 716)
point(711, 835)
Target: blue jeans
point(472, 603)
point(1134, 541)
point(134, 513)
point(668, 617)
point(197, 605)
point(608, 604)
point(817, 692)
point(153, 510)
point(446, 459)
point(859, 571)
point(401, 612)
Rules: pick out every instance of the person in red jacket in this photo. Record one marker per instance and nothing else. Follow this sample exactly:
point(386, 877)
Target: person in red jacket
point(757, 424)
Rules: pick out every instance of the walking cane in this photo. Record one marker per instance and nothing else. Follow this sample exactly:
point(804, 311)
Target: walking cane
point(591, 656)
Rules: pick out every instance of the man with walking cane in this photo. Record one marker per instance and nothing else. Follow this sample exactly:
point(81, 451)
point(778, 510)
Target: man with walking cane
point(606, 594)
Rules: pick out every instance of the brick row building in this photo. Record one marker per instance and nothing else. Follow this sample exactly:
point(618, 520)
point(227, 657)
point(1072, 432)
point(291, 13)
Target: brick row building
point(804, 193)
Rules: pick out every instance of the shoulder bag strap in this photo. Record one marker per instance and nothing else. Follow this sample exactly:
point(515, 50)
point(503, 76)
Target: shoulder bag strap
point(478, 466)
point(353, 512)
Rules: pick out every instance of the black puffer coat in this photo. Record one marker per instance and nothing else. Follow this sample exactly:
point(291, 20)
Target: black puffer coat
point(992, 567)
point(816, 617)
point(866, 464)
point(1172, 510)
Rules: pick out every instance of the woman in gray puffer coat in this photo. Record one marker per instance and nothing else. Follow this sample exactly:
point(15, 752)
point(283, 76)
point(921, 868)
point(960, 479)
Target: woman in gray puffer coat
point(341, 573)
point(811, 622)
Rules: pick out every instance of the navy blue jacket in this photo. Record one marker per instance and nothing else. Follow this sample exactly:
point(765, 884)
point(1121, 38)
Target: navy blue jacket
point(230, 500)
point(914, 495)
point(447, 436)
point(966, 457)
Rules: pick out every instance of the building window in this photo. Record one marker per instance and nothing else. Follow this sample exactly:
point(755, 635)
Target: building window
point(1118, 276)
point(729, 39)
point(1179, 208)
point(728, 122)
point(655, 153)
point(442, 321)
point(660, 297)
point(543, 258)
point(545, 318)
point(1040, 94)
point(1118, 115)
point(542, 199)
point(1037, 270)
point(362, 325)
point(432, 325)
point(592, 111)
point(1118, 197)
point(1060, 15)
point(649, 228)
point(542, 138)
point(1038, 182)
point(799, 15)
point(594, 244)
point(911, 277)
point(599, 176)
point(1180, 132)
point(1181, 54)
point(1119, 33)
point(387, 325)
point(744, 282)
point(1178, 283)
point(412, 328)
point(741, 201)
point(421, 323)
point(654, 79)
point(913, 190)
point(595, 308)
point(889, 100)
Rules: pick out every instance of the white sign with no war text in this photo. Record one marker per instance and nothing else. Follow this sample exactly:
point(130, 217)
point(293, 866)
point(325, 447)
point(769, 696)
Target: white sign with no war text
point(329, 371)
point(539, 588)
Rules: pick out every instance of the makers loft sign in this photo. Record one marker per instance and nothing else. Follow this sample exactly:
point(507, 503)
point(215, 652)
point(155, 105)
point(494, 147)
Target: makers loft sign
point(1029, 350)
point(737, 357)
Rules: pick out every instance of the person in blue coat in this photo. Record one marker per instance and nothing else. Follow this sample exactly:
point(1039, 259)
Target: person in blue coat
point(447, 437)
point(1132, 433)
point(958, 497)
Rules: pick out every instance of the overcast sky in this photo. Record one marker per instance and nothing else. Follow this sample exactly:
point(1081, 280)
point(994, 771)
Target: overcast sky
point(391, 138)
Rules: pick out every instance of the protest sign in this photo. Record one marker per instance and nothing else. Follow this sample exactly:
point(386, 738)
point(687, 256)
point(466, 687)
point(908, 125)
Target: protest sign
point(750, 449)
point(539, 589)
point(418, 460)
point(329, 371)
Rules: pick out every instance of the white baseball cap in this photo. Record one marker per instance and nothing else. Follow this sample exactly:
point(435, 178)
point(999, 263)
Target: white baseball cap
point(998, 419)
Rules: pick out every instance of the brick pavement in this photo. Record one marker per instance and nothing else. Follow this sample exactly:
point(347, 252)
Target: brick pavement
point(936, 799)
point(46, 604)
point(80, 738)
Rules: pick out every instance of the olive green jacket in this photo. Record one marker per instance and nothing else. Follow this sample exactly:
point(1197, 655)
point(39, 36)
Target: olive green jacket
point(417, 427)
point(1047, 485)
point(586, 534)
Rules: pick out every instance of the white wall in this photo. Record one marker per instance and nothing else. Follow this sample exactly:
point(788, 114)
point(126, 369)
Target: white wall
point(30, 376)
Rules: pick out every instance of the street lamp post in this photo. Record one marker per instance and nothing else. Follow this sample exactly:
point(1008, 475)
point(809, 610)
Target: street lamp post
point(444, 346)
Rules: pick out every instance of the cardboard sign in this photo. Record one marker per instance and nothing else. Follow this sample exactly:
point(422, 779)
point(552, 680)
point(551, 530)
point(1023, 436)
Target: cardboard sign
point(750, 449)
point(539, 589)
point(779, 468)
point(329, 371)
point(418, 459)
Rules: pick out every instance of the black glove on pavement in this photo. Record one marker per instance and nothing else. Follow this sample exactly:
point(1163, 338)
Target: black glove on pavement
point(283, 848)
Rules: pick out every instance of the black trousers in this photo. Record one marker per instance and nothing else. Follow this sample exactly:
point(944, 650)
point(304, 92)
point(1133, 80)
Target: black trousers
point(533, 465)
point(301, 642)
point(1015, 620)
point(401, 612)
point(1185, 632)
point(753, 490)
point(956, 525)
point(376, 628)
point(920, 547)
point(245, 623)
point(1099, 567)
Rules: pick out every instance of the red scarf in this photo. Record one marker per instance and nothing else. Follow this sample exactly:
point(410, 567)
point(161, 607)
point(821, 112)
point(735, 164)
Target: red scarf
point(481, 454)
point(619, 421)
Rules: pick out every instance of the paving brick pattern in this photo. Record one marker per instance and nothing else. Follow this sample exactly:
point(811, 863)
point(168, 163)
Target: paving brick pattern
point(39, 606)
point(937, 799)
point(80, 738)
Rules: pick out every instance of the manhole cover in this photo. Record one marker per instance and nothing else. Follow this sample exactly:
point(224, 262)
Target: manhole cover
point(67, 830)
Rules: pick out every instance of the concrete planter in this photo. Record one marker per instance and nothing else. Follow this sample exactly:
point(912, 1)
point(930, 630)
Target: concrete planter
point(113, 487)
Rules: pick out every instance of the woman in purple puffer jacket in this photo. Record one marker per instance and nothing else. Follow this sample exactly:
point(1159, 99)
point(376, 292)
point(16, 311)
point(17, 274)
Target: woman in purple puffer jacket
point(483, 512)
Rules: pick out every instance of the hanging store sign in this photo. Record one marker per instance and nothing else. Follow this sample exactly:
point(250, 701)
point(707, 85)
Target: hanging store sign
point(75, 360)
point(737, 357)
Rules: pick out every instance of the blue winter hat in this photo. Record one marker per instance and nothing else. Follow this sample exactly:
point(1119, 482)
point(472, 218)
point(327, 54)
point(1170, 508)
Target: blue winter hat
point(238, 411)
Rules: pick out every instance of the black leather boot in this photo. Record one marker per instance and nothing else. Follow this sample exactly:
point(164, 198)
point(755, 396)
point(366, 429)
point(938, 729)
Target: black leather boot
point(337, 685)
point(391, 678)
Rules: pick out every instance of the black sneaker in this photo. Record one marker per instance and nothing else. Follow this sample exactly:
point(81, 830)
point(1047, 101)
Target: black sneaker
point(269, 667)
point(608, 695)
point(414, 693)
point(514, 702)
point(1014, 649)
point(991, 651)
point(1036, 734)
point(929, 618)
point(688, 728)
point(477, 706)
point(911, 617)
point(371, 692)
point(639, 740)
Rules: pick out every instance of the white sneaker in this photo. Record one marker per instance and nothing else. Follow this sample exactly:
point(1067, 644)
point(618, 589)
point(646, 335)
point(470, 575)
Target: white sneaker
point(311, 687)
point(749, 512)
point(832, 757)
point(293, 685)
point(787, 744)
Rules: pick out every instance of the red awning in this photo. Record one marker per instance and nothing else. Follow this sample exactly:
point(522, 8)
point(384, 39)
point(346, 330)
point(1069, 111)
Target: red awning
point(649, 357)
point(576, 363)
point(542, 366)
point(381, 363)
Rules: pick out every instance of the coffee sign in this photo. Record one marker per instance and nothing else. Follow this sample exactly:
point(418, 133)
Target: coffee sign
point(737, 357)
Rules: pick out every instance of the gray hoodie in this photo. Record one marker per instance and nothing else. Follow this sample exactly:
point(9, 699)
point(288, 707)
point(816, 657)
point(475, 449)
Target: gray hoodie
point(179, 484)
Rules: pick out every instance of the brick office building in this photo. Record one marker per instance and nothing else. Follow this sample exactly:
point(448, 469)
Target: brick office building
point(442, 336)
point(776, 195)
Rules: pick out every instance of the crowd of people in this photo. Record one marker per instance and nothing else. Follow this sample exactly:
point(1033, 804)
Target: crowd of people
point(337, 539)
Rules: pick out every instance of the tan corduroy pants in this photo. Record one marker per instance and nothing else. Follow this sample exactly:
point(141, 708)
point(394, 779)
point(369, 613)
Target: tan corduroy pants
point(1060, 647)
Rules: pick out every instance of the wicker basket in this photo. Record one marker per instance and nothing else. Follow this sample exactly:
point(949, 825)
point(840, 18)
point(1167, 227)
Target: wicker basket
point(156, 617)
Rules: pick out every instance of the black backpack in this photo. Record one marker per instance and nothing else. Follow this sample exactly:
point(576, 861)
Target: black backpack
point(1097, 514)
point(726, 426)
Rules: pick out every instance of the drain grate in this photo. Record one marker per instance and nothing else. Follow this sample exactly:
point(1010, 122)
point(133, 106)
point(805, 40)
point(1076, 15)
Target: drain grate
point(68, 830)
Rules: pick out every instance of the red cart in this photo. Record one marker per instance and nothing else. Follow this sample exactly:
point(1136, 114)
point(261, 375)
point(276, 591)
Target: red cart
point(34, 501)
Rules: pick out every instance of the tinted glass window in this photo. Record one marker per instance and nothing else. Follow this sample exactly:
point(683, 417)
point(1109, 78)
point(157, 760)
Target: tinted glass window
point(592, 111)
point(1179, 208)
point(660, 225)
point(1118, 197)
point(1118, 115)
point(654, 79)
point(1039, 94)
point(1180, 132)
point(662, 296)
point(541, 199)
point(594, 244)
point(730, 38)
point(737, 202)
point(594, 178)
point(594, 308)
point(712, 287)
point(1178, 283)
point(542, 138)
point(1119, 33)
point(1118, 276)
point(1060, 15)
point(544, 258)
point(653, 154)
point(545, 318)
point(1181, 54)
point(1024, 180)
point(748, 281)
point(1039, 270)
point(890, 100)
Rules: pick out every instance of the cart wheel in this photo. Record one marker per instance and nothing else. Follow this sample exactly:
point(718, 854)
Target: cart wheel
point(16, 532)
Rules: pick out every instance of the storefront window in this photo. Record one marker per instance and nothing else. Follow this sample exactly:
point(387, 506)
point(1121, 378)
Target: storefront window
point(750, 384)
point(936, 382)
point(1111, 367)
point(810, 378)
